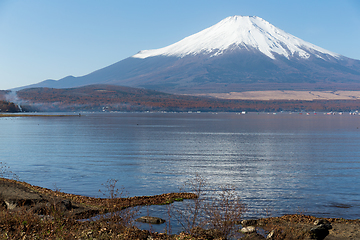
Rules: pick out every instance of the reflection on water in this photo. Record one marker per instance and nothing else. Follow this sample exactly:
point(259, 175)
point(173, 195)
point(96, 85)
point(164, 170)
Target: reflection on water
point(283, 163)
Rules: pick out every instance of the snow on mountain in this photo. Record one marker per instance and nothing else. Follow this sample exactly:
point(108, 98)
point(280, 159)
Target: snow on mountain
point(243, 32)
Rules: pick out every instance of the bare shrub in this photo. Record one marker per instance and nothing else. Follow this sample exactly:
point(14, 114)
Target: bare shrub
point(168, 222)
point(111, 191)
point(5, 172)
point(192, 215)
point(206, 215)
point(224, 211)
point(125, 217)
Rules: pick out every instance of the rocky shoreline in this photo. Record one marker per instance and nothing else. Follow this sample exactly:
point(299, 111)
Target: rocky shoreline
point(16, 196)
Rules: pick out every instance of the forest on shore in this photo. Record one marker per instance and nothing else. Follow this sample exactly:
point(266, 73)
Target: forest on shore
point(118, 98)
point(8, 107)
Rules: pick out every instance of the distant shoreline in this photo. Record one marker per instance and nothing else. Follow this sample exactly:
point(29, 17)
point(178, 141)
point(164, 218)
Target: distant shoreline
point(36, 115)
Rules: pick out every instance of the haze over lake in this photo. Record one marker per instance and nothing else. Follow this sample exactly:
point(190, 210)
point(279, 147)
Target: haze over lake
point(285, 163)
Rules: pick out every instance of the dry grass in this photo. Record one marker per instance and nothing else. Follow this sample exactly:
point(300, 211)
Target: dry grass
point(288, 95)
point(118, 213)
point(207, 216)
point(116, 221)
point(22, 224)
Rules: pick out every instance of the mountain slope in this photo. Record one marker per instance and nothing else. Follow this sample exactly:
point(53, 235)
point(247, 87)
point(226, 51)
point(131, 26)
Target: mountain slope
point(239, 53)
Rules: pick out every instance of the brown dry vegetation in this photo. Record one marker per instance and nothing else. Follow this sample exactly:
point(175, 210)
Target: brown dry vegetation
point(287, 95)
point(297, 226)
point(57, 222)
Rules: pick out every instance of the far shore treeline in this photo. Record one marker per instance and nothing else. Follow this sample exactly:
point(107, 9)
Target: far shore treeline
point(9, 107)
point(117, 98)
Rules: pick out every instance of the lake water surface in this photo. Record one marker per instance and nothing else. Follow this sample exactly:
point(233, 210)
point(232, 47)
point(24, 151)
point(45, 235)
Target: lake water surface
point(284, 163)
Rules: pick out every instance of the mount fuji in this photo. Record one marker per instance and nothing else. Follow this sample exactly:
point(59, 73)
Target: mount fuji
point(240, 53)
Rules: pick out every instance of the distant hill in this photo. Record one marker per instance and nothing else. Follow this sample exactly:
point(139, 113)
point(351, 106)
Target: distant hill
point(240, 53)
point(117, 98)
point(3, 94)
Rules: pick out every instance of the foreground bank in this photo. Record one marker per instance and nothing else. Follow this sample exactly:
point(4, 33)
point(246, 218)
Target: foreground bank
point(31, 212)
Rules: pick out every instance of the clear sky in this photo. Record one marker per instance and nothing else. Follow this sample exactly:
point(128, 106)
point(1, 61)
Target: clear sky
point(51, 39)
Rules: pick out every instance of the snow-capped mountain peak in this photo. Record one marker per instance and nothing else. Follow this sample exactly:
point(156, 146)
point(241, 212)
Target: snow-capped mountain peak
point(242, 32)
point(235, 55)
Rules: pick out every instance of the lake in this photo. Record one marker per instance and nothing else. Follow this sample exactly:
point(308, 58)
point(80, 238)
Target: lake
point(280, 163)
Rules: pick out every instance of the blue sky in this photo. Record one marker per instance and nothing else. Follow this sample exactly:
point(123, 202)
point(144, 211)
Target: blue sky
point(42, 39)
